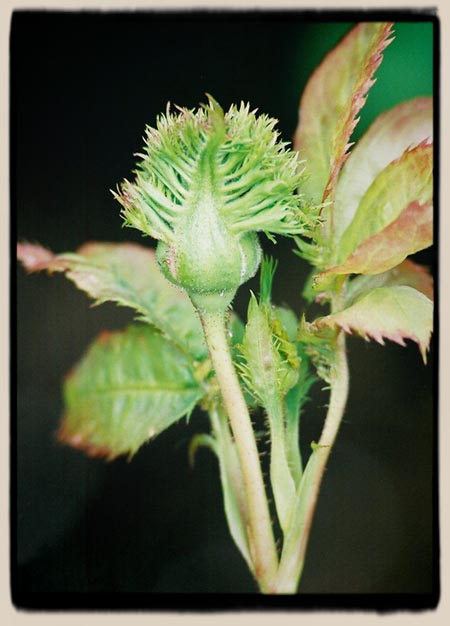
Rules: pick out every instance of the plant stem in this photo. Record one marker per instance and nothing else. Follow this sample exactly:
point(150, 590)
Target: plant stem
point(294, 548)
point(261, 540)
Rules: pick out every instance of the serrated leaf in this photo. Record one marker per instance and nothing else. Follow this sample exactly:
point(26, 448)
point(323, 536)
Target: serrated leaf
point(393, 132)
point(129, 387)
point(394, 313)
point(407, 273)
point(128, 274)
point(332, 99)
point(410, 232)
point(394, 217)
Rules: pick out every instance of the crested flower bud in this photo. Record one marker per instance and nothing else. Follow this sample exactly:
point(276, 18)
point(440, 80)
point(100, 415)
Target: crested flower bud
point(208, 181)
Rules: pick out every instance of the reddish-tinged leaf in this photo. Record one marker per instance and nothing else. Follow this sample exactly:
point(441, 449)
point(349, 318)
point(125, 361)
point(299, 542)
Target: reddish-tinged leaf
point(408, 274)
point(400, 196)
point(35, 257)
point(394, 313)
point(393, 132)
point(410, 232)
point(332, 99)
point(128, 274)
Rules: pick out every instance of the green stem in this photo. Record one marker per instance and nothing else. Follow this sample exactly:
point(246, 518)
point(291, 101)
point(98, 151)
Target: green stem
point(261, 540)
point(294, 548)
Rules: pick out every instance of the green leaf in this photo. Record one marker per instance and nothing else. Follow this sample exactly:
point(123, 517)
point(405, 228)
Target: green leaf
point(294, 401)
point(395, 313)
point(285, 322)
point(404, 126)
point(407, 273)
point(231, 478)
point(410, 232)
point(233, 489)
point(128, 274)
point(318, 344)
point(129, 387)
point(332, 99)
point(281, 475)
point(394, 217)
point(293, 552)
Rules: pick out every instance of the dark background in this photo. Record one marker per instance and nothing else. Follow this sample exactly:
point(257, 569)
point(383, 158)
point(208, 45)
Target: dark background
point(83, 87)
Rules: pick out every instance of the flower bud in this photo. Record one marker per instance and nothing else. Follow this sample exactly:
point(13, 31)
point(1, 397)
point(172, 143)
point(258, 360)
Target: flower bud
point(210, 263)
point(207, 183)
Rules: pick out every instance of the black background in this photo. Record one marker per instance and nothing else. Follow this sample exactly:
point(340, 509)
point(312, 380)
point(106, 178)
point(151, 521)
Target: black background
point(83, 87)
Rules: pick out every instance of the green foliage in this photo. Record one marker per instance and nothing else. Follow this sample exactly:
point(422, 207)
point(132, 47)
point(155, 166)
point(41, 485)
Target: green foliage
point(397, 209)
point(317, 344)
point(395, 313)
point(129, 387)
point(235, 504)
point(294, 402)
point(392, 132)
point(407, 273)
point(278, 378)
point(329, 107)
point(129, 275)
point(378, 201)
point(270, 370)
point(207, 183)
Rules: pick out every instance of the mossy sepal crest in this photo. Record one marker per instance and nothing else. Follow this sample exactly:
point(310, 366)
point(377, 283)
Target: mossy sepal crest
point(207, 183)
